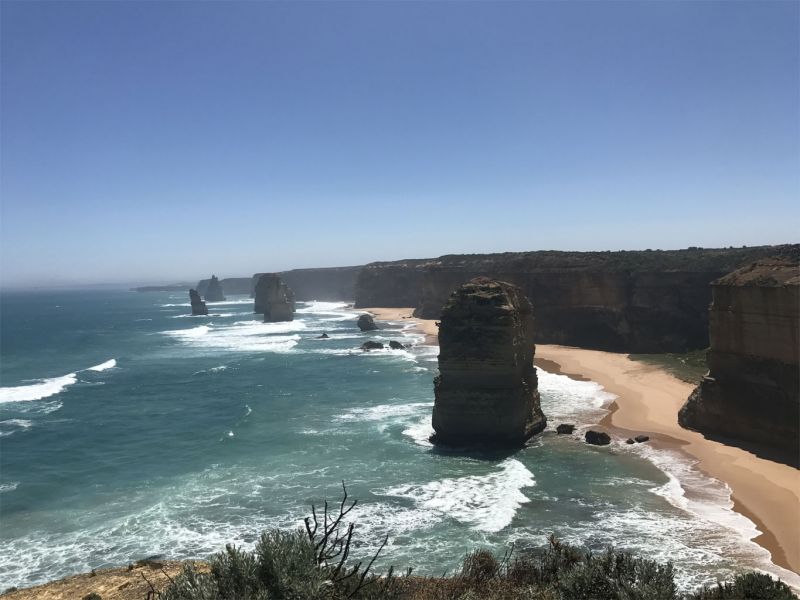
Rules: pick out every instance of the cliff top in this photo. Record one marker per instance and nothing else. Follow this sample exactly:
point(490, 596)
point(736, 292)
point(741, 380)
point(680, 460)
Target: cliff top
point(690, 259)
point(768, 272)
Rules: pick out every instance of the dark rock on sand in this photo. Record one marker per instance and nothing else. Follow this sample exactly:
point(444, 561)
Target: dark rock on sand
point(486, 393)
point(641, 438)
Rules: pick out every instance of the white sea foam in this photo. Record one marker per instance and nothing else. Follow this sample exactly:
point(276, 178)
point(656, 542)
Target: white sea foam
point(421, 431)
point(384, 411)
point(47, 387)
point(109, 364)
point(36, 391)
point(8, 487)
point(242, 336)
point(567, 399)
point(10, 426)
point(484, 502)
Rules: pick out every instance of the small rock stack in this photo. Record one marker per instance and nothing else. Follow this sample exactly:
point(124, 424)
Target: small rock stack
point(214, 291)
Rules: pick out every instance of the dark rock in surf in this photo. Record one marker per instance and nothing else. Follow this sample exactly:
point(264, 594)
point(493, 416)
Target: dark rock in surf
point(630, 441)
point(324, 336)
point(396, 345)
point(366, 323)
point(565, 428)
point(597, 438)
point(198, 306)
point(370, 345)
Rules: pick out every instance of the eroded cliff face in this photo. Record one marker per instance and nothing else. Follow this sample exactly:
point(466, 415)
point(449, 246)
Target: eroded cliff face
point(648, 301)
point(752, 390)
point(198, 306)
point(273, 299)
point(486, 392)
point(392, 285)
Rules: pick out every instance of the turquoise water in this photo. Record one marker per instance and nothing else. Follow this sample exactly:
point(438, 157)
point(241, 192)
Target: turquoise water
point(129, 429)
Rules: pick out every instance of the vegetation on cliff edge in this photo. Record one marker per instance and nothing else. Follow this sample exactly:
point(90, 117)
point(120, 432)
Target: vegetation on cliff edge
point(315, 564)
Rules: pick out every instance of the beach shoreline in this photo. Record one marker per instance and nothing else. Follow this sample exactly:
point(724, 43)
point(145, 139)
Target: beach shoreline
point(647, 401)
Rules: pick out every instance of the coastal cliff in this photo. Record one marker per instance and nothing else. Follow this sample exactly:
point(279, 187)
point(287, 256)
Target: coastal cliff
point(633, 301)
point(231, 285)
point(752, 390)
point(273, 299)
point(486, 392)
point(328, 284)
point(198, 306)
point(214, 291)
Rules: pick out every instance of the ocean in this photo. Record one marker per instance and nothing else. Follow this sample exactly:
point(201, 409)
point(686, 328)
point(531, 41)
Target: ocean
point(129, 429)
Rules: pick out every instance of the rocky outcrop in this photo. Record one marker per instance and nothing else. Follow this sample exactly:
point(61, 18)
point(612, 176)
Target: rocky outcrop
point(273, 299)
point(486, 392)
point(198, 306)
point(633, 301)
point(565, 429)
point(752, 390)
point(370, 345)
point(395, 345)
point(214, 291)
point(366, 323)
point(231, 285)
point(597, 438)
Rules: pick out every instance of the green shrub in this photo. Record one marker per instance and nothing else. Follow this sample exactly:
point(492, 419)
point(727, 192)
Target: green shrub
point(748, 586)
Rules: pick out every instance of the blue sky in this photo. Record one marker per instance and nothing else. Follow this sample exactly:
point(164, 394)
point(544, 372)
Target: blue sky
point(151, 141)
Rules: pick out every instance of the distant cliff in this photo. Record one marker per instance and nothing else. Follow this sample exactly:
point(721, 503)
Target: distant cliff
point(231, 285)
point(330, 284)
point(333, 284)
point(631, 301)
point(752, 390)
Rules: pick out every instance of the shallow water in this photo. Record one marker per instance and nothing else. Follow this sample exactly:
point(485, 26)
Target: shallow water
point(128, 429)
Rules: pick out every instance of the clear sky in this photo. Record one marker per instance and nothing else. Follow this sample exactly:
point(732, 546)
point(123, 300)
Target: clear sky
point(156, 141)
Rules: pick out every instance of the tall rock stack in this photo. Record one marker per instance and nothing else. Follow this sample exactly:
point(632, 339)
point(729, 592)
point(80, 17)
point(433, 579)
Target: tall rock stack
point(198, 306)
point(752, 390)
point(486, 393)
point(273, 299)
point(214, 291)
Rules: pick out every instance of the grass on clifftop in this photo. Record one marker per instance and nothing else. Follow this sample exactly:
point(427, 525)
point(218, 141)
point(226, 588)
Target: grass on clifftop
point(315, 564)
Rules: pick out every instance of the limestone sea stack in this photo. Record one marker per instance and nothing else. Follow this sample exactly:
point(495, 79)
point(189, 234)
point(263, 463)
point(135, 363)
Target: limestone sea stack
point(752, 389)
point(198, 306)
point(486, 392)
point(366, 323)
point(273, 299)
point(214, 291)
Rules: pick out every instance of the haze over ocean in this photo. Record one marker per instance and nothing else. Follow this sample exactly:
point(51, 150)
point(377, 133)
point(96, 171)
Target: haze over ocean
point(268, 136)
point(131, 429)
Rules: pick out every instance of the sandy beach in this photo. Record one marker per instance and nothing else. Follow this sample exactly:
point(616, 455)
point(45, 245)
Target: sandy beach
point(648, 400)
